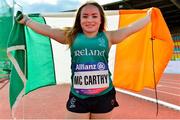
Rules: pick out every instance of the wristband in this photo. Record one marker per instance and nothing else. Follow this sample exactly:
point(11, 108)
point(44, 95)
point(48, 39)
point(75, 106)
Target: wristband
point(27, 20)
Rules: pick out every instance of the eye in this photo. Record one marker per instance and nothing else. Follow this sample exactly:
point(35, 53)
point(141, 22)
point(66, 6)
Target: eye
point(85, 16)
point(94, 16)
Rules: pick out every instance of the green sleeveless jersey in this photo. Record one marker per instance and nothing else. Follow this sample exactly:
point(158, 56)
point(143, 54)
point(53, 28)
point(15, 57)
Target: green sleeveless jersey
point(89, 66)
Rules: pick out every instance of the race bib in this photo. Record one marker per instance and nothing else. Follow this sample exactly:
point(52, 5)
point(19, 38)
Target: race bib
point(91, 79)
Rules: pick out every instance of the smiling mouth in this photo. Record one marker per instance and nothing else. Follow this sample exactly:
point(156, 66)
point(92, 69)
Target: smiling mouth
point(90, 26)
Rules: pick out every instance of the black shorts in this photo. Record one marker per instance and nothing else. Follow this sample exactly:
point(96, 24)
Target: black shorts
point(99, 104)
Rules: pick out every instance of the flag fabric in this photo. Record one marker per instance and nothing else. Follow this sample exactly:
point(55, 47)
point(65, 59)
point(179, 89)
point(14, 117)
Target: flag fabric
point(145, 54)
point(39, 61)
point(6, 22)
point(31, 55)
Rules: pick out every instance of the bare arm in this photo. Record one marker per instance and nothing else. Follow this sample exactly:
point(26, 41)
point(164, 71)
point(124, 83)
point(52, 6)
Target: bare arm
point(119, 35)
point(56, 34)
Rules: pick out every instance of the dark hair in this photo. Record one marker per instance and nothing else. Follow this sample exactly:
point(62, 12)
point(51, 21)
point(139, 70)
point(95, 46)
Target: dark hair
point(71, 33)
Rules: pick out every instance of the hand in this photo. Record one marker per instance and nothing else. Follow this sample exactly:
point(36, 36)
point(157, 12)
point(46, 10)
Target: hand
point(149, 12)
point(20, 18)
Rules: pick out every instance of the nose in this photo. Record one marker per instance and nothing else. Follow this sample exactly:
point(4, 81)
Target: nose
point(89, 19)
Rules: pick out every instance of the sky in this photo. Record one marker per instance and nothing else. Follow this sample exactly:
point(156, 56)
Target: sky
point(37, 6)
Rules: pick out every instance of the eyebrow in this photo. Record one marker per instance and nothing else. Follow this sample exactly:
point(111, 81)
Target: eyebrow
point(92, 14)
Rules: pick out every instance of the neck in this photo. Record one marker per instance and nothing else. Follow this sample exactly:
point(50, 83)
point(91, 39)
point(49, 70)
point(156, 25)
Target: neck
point(93, 34)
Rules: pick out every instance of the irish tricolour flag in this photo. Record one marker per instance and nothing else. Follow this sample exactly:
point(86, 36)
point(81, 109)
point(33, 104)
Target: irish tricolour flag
point(137, 62)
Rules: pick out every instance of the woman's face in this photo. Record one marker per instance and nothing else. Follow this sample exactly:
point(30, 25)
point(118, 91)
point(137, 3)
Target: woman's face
point(90, 19)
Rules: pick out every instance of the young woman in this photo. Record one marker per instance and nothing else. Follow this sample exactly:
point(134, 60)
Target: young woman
point(92, 95)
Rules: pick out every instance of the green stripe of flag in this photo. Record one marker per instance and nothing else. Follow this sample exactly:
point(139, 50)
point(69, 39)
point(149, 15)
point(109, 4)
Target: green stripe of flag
point(31, 55)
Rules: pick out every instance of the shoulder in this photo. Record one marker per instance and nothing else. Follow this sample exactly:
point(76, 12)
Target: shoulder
point(108, 36)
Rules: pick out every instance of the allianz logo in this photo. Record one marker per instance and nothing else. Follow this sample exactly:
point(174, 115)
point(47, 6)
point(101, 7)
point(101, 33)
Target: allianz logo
point(98, 66)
